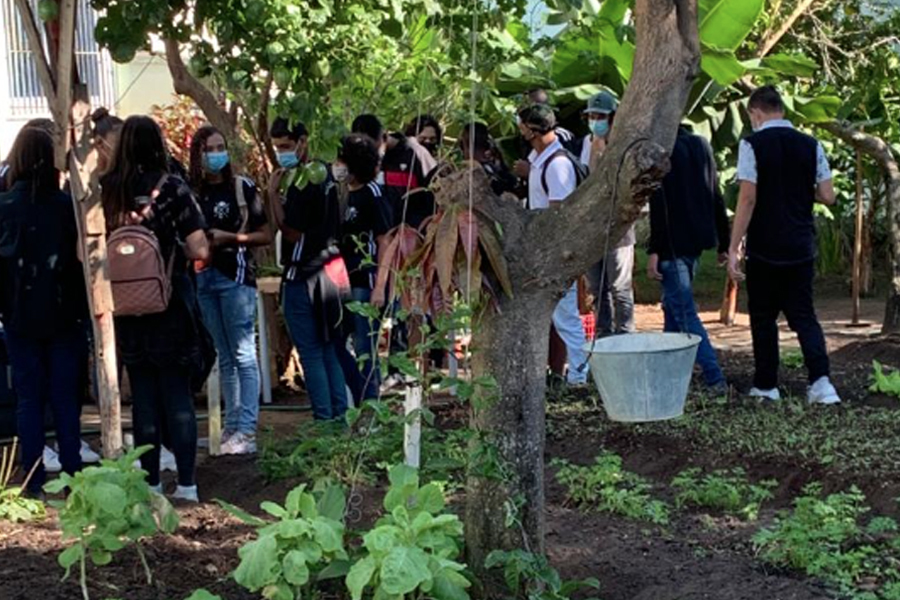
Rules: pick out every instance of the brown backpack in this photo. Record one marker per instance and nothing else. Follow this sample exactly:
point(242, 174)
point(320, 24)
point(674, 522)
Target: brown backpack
point(141, 279)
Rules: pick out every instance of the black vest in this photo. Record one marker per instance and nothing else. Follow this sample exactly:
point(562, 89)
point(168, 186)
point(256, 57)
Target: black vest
point(782, 230)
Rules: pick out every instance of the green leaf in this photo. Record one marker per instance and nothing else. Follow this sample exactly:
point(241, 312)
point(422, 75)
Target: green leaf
point(403, 570)
point(329, 535)
point(359, 576)
point(259, 564)
point(333, 503)
point(335, 570)
point(382, 539)
point(107, 497)
point(274, 510)
point(203, 595)
point(791, 64)
point(722, 66)
point(168, 517)
point(447, 586)
point(820, 109)
point(295, 569)
point(101, 557)
point(430, 499)
point(241, 514)
point(724, 24)
point(278, 591)
point(403, 475)
point(55, 486)
point(70, 557)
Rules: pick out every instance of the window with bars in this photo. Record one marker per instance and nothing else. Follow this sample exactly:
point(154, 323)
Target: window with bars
point(94, 67)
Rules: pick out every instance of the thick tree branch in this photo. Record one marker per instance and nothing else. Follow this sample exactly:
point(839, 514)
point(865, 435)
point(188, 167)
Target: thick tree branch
point(33, 34)
point(262, 121)
point(773, 37)
point(566, 240)
point(65, 61)
point(881, 152)
point(185, 83)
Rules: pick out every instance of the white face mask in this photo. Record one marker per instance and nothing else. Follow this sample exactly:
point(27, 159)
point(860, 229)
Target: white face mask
point(340, 172)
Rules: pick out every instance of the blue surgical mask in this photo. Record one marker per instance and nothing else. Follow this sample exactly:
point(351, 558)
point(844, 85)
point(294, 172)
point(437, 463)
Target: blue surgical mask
point(288, 160)
point(600, 128)
point(214, 162)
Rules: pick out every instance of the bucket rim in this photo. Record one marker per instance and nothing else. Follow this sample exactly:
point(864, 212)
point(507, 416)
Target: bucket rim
point(693, 340)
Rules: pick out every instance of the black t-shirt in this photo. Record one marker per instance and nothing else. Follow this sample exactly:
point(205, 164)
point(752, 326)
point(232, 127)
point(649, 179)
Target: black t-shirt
point(221, 210)
point(314, 212)
point(42, 287)
point(402, 172)
point(366, 218)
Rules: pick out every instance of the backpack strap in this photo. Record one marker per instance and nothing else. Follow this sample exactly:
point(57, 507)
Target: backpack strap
point(241, 202)
point(576, 165)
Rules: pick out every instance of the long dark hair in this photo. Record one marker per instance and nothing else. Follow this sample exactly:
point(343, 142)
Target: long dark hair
point(140, 156)
point(360, 154)
point(198, 147)
point(32, 160)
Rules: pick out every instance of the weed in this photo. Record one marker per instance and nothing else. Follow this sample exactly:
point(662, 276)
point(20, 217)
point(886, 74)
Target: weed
point(883, 382)
point(606, 487)
point(792, 359)
point(108, 507)
point(13, 505)
point(303, 546)
point(822, 537)
point(726, 490)
point(530, 576)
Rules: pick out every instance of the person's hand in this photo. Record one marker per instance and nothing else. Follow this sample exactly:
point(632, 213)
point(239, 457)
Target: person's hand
point(722, 259)
point(598, 145)
point(217, 237)
point(734, 266)
point(136, 217)
point(377, 298)
point(522, 168)
point(653, 267)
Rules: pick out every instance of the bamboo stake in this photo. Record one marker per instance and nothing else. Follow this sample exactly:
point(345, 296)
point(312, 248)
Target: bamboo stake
point(857, 241)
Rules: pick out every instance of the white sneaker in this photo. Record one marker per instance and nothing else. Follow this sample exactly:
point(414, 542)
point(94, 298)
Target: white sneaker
point(822, 392)
point(239, 443)
point(51, 460)
point(157, 488)
point(187, 493)
point(167, 461)
point(772, 395)
point(88, 456)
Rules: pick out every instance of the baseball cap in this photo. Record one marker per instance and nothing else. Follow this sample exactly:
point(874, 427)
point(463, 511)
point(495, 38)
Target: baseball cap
point(602, 103)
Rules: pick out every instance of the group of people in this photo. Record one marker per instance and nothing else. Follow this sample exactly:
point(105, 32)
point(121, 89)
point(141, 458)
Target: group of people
point(206, 219)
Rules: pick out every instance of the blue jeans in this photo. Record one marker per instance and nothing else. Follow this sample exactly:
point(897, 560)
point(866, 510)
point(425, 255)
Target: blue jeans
point(365, 343)
point(567, 321)
point(48, 369)
point(321, 367)
point(681, 313)
point(229, 312)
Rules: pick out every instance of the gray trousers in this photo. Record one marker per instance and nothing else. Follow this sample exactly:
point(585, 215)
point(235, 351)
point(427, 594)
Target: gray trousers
point(616, 314)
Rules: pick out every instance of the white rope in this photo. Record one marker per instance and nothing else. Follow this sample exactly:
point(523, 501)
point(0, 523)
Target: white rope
point(469, 248)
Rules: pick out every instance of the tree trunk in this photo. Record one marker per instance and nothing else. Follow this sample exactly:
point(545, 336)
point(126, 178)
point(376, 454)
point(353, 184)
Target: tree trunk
point(880, 151)
point(546, 252)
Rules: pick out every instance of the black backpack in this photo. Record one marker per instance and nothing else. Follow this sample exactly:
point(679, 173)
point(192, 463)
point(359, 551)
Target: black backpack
point(581, 171)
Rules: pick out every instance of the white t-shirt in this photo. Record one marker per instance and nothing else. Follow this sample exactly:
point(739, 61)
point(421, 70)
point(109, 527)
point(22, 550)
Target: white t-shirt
point(561, 178)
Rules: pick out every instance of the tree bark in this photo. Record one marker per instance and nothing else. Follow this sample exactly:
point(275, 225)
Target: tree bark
point(546, 252)
point(881, 152)
point(185, 83)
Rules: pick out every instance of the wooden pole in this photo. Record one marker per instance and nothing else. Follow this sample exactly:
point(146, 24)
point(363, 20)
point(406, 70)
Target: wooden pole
point(412, 431)
point(214, 406)
point(264, 356)
point(728, 312)
point(857, 240)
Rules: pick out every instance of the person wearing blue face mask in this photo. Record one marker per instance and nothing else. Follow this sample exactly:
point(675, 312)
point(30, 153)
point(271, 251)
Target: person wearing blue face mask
point(613, 290)
point(226, 282)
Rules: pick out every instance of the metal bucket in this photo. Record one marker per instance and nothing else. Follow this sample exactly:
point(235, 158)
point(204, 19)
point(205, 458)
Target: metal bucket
point(643, 376)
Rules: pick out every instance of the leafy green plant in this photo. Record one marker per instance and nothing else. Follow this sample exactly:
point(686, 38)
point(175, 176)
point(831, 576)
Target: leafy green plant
point(203, 595)
point(884, 382)
point(822, 537)
point(606, 487)
point(108, 507)
point(530, 577)
point(727, 490)
point(411, 550)
point(303, 546)
point(14, 506)
point(792, 359)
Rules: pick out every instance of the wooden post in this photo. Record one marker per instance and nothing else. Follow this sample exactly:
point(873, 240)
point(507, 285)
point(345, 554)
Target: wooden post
point(453, 361)
point(214, 409)
point(728, 312)
point(264, 356)
point(412, 431)
point(857, 241)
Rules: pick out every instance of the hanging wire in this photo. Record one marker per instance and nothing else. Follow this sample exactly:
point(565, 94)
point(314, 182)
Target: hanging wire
point(469, 249)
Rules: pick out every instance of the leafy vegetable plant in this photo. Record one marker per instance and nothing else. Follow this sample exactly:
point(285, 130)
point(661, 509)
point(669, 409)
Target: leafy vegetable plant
point(412, 550)
point(884, 382)
point(14, 506)
point(606, 487)
point(530, 576)
point(823, 537)
point(108, 507)
point(726, 490)
point(304, 545)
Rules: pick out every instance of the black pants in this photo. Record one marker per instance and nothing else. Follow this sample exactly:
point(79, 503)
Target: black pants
point(161, 400)
point(783, 289)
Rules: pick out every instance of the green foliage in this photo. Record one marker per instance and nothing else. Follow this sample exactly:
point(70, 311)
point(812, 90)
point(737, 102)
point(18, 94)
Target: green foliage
point(792, 359)
point(413, 549)
point(14, 506)
point(727, 490)
point(884, 382)
point(606, 487)
point(203, 595)
point(304, 545)
point(822, 537)
point(109, 506)
point(530, 577)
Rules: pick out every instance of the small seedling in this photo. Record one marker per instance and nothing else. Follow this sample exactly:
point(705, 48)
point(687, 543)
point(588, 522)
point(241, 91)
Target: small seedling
point(14, 506)
point(530, 576)
point(726, 490)
point(792, 359)
point(884, 382)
